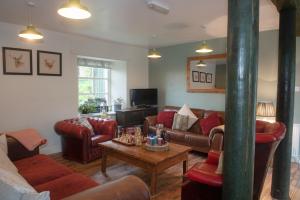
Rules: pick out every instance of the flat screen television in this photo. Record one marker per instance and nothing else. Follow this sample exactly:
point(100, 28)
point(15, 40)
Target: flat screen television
point(143, 97)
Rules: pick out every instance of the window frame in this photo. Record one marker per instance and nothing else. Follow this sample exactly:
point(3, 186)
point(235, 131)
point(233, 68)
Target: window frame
point(108, 79)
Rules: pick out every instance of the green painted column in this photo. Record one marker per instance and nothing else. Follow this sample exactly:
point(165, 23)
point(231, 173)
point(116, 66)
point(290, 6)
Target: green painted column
point(242, 41)
point(285, 101)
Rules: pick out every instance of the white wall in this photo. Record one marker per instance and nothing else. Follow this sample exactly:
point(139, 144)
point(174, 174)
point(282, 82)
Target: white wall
point(39, 101)
point(119, 81)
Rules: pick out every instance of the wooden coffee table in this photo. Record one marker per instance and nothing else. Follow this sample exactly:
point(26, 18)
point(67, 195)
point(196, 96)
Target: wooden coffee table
point(152, 162)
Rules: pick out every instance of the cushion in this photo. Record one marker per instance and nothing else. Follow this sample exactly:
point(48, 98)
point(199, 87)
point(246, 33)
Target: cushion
point(83, 121)
point(180, 122)
point(219, 170)
point(67, 186)
point(6, 164)
point(100, 138)
point(210, 122)
point(45, 169)
point(185, 110)
point(3, 143)
point(166, 118)
point(13, 186)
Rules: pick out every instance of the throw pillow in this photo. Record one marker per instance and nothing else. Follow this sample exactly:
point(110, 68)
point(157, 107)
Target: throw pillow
point(180, 122)
point(6, 164)
point(3, 143)
point(14, 186)
point(210, 122)
point(219, 170)
point(85, 122)
point(185, 110)
point(166, 118)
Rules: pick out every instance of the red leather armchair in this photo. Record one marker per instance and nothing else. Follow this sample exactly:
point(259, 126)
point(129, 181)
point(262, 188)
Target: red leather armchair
point(79, 144)
point(201, 181)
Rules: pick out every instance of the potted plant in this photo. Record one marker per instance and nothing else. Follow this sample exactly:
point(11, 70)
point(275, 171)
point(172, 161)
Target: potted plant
point(118, 104)
point(87, 108)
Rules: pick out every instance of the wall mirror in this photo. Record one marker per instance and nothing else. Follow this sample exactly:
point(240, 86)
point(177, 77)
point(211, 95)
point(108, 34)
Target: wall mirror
point(206, 74)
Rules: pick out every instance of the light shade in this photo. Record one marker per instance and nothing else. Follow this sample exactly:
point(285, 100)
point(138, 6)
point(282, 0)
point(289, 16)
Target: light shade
point(73, 9)
point(31, 33)
point(265, 109)
point(201, 64)
point(154, 54)
point(204, 48)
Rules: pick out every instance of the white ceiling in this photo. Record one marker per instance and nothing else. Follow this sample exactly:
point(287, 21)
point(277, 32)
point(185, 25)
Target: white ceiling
point(132, 22)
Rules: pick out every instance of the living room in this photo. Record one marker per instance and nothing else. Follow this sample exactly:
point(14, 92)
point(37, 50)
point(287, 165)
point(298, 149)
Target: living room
point(119, 36)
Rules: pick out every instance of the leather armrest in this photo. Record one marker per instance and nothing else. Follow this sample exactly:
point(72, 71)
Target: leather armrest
point(68, 129)
point(151, 120)
point(217, 141)
point(17, 151)
point(127, 188)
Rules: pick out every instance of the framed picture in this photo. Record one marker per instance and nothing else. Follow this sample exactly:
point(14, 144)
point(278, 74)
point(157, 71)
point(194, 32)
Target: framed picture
point(195, 76)
point(49, 63)
point(202, 77)
point(208, 78)
point(17, 61)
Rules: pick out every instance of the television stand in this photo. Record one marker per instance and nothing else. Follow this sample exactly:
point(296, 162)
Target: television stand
point(134, 116)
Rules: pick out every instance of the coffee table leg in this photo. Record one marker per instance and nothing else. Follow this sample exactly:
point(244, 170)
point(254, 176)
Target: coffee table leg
point(185, 166)
point(104, 160)
point(153, 182)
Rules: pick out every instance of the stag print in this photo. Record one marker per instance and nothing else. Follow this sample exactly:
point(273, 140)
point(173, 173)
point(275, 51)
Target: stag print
point(17, 60)
point(49, 63)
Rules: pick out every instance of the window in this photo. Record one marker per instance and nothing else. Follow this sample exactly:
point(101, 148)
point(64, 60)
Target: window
point(94, 80)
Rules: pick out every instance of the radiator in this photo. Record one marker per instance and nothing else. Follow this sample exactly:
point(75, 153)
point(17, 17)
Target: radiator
point(296, 144)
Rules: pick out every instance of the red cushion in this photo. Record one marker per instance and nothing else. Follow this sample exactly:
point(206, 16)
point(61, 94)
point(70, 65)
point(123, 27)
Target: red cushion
point(205, 173)
point(40, 169)
point(166, 118)
point(66, 186)
point(210, 122)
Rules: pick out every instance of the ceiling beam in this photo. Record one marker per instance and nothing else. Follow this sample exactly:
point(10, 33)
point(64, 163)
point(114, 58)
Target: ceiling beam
point(285, 4)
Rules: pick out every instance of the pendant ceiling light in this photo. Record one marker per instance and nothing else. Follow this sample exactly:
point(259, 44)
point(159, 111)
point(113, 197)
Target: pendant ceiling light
point(30, 31)
point(154, 54)
point(204, 48)
point(201, 64)
point(73, 9)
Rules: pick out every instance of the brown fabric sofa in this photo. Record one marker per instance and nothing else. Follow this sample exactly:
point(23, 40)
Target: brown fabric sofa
point(194, 137)
point(45, 174)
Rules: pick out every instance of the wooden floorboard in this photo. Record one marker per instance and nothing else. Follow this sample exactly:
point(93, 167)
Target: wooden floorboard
point(169, 182)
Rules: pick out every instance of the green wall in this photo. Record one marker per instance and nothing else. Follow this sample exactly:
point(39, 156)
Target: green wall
point(169, 74)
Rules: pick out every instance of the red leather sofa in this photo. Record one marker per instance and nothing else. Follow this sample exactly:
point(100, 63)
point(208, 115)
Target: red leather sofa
point(79, 144)
point(45, 174)
point(201, 181)
point(193, 137)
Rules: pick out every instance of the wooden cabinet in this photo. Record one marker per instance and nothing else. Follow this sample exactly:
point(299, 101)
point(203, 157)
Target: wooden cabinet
point(134, 116)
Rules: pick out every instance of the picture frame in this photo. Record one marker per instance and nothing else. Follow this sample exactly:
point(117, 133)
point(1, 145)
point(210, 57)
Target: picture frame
point(17, 61)
point(208, 78)
point(49, 63)
point(195, 76)
point(202, 77)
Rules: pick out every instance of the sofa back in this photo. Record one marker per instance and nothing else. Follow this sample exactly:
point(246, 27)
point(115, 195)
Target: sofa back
point(200, 113)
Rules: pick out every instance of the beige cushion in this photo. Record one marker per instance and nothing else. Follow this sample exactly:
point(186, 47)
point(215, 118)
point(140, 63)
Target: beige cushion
point(219, 170)
point(6, 164)
point(3, 143)
point(13, 187)
point(180, 122)
point(185, 110)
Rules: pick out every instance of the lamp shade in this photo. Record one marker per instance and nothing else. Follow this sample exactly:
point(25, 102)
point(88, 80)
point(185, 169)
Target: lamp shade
point(204, 48)
point(73, 9)
point(31, 33)
point(154, 54)
point(265, 109)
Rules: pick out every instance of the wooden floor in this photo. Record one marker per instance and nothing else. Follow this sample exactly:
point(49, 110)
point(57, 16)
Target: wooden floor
point(169, 182)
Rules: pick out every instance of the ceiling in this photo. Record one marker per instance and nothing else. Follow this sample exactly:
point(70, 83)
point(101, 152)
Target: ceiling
point(132, 22)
